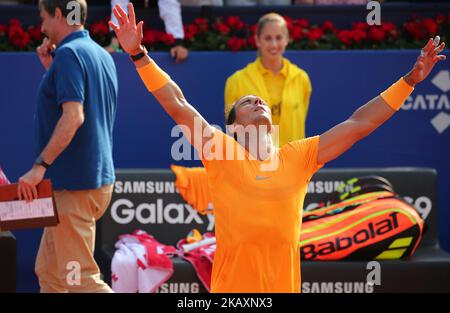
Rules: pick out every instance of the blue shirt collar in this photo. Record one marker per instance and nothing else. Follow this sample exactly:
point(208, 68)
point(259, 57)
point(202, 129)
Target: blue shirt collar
point(75, 35)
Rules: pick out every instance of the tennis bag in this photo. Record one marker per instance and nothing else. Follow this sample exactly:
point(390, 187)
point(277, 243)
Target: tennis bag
point(363, 220)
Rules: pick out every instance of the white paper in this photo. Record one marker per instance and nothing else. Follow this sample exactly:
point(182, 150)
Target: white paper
point(18, 210)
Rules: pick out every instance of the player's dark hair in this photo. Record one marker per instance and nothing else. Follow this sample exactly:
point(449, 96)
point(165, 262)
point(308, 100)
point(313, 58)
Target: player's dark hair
point(231, 118)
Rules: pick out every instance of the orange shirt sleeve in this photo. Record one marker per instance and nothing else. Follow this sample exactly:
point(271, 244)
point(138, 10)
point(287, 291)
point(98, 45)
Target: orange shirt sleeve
point(306, 151)
point(192, 183)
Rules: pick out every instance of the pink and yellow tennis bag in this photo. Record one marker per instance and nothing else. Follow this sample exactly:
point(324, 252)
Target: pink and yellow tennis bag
point(367, 222)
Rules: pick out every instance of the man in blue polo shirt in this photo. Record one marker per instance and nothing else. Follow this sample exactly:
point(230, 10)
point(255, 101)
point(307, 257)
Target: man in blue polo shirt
point(74, 122)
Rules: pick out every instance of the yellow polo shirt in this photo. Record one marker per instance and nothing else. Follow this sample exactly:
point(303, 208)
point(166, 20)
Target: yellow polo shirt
point(275, 84)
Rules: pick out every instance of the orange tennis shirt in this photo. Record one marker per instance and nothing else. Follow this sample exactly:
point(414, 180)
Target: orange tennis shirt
point(258, 214)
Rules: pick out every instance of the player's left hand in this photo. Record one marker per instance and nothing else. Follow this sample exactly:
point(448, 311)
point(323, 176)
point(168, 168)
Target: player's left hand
point(127, 32)
point(427, 59)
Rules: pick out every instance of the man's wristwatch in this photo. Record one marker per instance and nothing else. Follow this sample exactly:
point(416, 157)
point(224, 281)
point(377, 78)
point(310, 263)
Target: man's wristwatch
point(40, 161)
point(140, 55)
point(178, 42)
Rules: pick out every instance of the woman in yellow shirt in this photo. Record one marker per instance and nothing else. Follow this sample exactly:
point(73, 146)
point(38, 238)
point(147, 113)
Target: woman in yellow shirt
point(272, 77)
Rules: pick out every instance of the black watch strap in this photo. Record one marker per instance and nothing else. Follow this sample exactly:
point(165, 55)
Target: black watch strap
point(40, 161)
point(178, 42)
point(139, 55)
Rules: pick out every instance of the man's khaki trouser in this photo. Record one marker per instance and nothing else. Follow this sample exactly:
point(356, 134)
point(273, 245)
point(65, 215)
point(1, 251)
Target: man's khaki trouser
point(65, 261)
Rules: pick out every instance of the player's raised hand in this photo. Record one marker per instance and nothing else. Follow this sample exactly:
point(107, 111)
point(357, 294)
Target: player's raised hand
point(428, 57)
point(128, 33)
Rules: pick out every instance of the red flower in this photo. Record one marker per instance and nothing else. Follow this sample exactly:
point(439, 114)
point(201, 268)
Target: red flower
point(18, 37)
point(190, 31)
point(167, 39)
point(388, 27)
point(421, 29)
point(222, 28)
point(303, 22)
point(346, 37)
point(413, 28)
point(234, 22)
point(430, 26)
point(36, 34)
point(376, 34)
point(296, 33)
point(359, 35)
point(288, 20)
point(440, 19)
point(251, 42)
point(236, 43)
point(314, 34)
point(202, 23)
point(99, 29)
point(15, 22)
point(328, 26)
point(13, 30)
point(360, 25)
point(149, 37)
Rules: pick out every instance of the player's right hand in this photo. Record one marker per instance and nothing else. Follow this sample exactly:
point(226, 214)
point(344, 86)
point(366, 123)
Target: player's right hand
point(128, 33)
